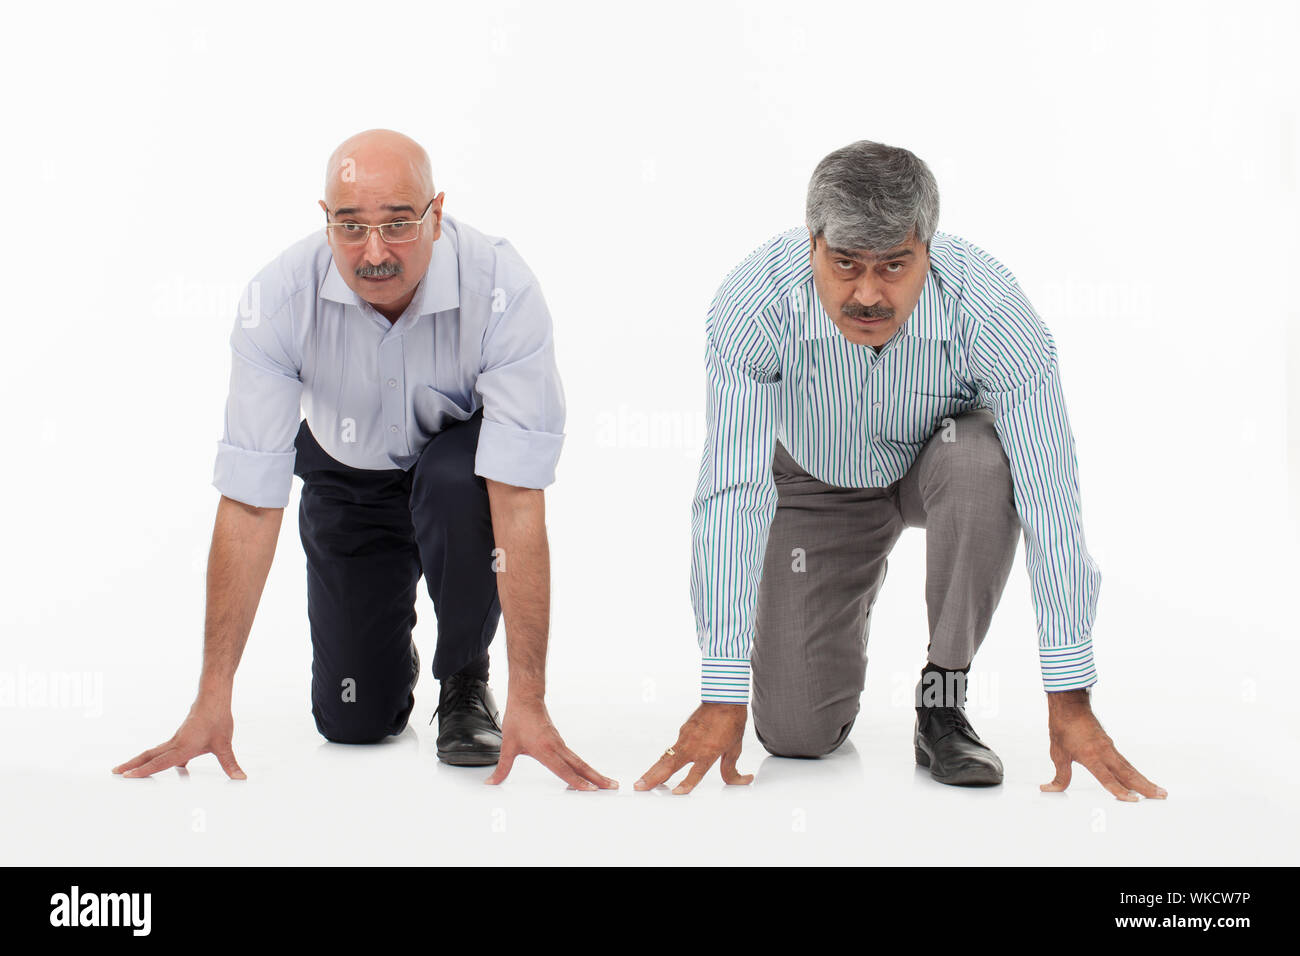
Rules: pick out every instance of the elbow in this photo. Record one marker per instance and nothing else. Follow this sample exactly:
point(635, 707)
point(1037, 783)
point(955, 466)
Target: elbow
point(253, 511)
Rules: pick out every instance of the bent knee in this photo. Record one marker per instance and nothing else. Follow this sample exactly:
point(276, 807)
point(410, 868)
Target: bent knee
point(977, 473)
point(343, 727)
point(801, 740)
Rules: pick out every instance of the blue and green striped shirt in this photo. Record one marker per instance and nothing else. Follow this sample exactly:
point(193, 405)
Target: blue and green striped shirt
point(779, 368)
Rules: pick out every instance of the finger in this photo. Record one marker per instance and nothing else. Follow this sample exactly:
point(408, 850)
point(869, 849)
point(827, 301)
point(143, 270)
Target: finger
point(1128, 775)
point(226, 758)
point(163, 761)
point(664, 767)
point(1107, 780)
point(698, 770)
point(553, 760)
point(141, 758)
point(1062, 778)
point(506, 761)
point(585, 770)
point(730, 775)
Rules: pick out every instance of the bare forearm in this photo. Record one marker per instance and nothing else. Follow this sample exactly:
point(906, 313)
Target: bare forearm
point(243, 545)
point(523, 584)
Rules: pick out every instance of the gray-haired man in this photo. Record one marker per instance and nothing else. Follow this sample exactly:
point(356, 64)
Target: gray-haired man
point(868, 373)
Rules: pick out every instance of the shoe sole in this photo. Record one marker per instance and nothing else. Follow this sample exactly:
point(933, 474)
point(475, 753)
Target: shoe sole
point(980, 777)
point(470, 759)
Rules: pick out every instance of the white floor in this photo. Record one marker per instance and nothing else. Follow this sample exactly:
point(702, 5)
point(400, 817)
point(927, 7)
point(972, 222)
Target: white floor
point(307, 801)
point(1181, 371)
point(1194, 690)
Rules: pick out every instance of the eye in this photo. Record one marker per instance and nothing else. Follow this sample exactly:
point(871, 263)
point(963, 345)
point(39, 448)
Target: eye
point(889, 267)
point(351, 227)
point(845, 264)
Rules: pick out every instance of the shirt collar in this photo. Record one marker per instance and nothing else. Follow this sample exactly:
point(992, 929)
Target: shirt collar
point(927, 321)
point(439, 289)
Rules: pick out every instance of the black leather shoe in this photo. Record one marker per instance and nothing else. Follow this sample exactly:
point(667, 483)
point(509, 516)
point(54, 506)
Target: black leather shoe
point(469, 728)
point(947, 744)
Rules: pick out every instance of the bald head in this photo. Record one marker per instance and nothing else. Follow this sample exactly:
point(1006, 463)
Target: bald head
point(378, 158)
point(375, 178)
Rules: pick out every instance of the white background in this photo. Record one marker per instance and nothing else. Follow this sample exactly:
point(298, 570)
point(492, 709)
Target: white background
point(1134, 164)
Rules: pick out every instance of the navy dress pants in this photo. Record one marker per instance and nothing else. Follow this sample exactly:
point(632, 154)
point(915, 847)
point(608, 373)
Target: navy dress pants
point(368, 536)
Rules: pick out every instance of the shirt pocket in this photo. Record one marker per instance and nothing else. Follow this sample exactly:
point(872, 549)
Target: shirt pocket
point(435, 411)
point(915, 415)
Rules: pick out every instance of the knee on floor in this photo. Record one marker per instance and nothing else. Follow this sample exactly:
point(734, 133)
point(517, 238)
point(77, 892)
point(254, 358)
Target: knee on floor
point(804, 741)
point(348, 728)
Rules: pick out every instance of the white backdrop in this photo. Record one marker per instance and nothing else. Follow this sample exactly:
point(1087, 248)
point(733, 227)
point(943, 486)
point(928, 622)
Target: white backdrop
point(1134, 164)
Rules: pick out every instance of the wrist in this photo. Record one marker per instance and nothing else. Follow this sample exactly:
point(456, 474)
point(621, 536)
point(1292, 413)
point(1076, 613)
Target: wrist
point(214, 694)
point(732, 714)
point(1067, 703)
point(526, 695)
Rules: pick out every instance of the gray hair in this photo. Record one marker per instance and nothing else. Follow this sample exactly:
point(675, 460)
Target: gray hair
point(871, 197)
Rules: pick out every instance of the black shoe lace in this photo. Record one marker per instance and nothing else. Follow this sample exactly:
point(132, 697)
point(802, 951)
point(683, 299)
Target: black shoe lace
point(458, 692)
point(951, 719)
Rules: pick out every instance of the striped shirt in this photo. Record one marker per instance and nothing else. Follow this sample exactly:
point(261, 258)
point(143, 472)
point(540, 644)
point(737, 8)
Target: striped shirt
point(779, 368)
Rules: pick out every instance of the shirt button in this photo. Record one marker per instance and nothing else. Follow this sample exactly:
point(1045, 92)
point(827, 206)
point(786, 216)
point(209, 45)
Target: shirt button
point(393, 429)
point(392, 383)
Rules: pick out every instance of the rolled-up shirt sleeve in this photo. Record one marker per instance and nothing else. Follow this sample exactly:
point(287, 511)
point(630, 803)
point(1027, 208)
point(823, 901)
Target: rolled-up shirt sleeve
point(523, 399)
point(255, 456)
point(1013, 358)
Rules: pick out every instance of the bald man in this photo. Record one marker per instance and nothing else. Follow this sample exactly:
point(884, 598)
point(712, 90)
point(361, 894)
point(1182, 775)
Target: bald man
point(401, 364)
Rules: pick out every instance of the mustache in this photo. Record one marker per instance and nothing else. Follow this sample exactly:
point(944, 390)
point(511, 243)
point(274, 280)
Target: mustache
point(855, 311)
point(381, 271)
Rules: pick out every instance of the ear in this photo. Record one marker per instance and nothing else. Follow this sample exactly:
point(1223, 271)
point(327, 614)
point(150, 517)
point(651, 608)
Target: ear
point(325, 207)
point(437, 216)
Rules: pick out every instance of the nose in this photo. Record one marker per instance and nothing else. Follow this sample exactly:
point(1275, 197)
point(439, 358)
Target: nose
point(375, 247)
point(866, 291)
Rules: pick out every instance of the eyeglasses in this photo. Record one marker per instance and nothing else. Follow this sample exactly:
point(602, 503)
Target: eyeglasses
point(354, 233)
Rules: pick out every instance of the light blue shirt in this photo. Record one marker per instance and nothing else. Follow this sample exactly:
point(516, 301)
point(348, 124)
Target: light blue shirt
point(477, 334)
point(779, 368)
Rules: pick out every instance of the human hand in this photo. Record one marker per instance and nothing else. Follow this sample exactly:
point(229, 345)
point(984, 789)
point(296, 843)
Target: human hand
point(208, 729)
point(1077, 735)
point(527, 729)
point(714, 730)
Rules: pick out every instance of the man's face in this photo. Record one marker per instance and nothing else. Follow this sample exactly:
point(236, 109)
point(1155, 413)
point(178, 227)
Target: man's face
point(869, 298)
point(383, 274)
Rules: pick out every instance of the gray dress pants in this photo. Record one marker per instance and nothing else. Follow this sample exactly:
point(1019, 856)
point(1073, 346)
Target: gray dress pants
point(826, 560)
